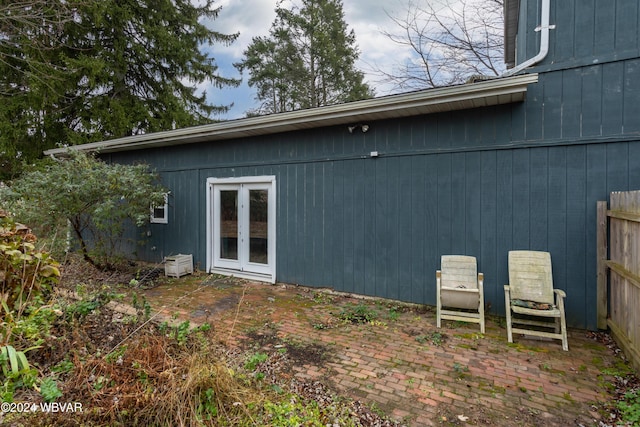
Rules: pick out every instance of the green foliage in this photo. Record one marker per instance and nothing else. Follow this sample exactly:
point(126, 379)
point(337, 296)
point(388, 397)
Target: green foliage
point(183, 331)
point(95, 198)
point(376, 409)
point(394, 313)
point(25, 272)
point(254, 360)
point(25, 378)
point(12, 360)
point(79, 71)
point(63, 367)
point(629, 407)
point(27, 75)
point(88, 303)
point(291, 410)
point(49, 390)
point(147, 309)
point(16, 372)
point(116, 354)
point(143, 305)
point(308, 59)
point(82, 307)
point(618, 369)
point(34, 325)
point(435, 337)
point(27, 276)
point(460, 369)
point(101, 382)
point(205, 327)
point(422, 339)
point(360, 313)
point(208, 408)
point(293, 413)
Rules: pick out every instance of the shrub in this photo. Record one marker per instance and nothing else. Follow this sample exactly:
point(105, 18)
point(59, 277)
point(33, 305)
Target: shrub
point(94, 198)
point(26, 279)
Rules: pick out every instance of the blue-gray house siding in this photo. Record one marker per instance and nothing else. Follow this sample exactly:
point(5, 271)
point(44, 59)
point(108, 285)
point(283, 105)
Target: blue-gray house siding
point(480, 181)
point(585, 31)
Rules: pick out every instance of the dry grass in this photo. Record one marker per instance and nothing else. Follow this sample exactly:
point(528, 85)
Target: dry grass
point(204, 390)
point(130, 371)
point(154, 381)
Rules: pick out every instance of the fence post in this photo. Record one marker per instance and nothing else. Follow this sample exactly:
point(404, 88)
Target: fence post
point(602, 267)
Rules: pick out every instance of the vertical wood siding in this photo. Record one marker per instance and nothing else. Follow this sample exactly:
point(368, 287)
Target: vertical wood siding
point(379, 226)
point(584, 30)
point(479, 182)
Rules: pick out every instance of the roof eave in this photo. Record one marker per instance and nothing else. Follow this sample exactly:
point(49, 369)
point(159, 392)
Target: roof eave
point(486, 93)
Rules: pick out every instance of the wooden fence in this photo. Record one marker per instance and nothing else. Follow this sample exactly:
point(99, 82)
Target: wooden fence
point(619, 273)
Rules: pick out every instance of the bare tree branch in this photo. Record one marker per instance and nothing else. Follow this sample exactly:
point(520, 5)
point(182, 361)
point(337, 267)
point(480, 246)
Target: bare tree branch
point(42, 20)
point(449, 41)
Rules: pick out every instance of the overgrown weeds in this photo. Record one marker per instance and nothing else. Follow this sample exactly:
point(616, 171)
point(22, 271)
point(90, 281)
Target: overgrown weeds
point(358, 313)
point(436, 338)
point(156, 380)
point(27, 276)
point(629, 407)
point(139, 373)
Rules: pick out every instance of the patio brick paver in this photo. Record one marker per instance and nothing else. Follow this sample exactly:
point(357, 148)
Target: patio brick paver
point(393, 364)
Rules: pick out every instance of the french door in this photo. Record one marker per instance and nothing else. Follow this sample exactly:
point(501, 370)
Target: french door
point(241, 226)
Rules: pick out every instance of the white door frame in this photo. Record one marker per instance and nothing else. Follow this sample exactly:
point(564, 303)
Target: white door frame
point(242, 267)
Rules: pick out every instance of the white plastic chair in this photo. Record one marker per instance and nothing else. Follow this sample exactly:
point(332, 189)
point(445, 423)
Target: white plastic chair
point(460, 293)
point(530, 294)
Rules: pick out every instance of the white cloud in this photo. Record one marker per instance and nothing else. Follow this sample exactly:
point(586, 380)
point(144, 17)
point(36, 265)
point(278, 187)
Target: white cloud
point(252, 18)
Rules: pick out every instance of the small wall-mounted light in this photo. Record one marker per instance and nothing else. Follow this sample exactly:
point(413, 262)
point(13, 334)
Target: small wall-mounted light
point(363, 128)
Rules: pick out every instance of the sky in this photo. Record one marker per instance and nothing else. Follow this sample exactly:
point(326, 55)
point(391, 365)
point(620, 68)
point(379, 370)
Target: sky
point(253, 18)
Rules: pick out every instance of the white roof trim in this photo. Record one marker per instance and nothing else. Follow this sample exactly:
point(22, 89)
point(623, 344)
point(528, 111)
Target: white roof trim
point(485, 93)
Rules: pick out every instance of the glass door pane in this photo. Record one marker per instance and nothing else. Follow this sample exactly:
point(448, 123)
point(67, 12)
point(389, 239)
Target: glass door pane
point(258, 226)
point(242, 226)
point(229, 224)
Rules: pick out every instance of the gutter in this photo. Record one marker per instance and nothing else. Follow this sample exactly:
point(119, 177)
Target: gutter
point(543, 28)
point(492, 92)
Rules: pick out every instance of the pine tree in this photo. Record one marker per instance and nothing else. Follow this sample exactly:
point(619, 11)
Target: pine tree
point(308, 59)
point(115, 68)
point(30, 31)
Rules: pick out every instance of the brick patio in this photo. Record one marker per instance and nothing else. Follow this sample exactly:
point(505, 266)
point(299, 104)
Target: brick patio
point(400, 362)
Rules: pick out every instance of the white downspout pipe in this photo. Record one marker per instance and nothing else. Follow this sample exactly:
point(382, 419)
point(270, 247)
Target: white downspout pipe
point(544, 40)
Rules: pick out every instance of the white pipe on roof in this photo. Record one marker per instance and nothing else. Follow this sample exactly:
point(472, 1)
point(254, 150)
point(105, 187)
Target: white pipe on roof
point(544, 40)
